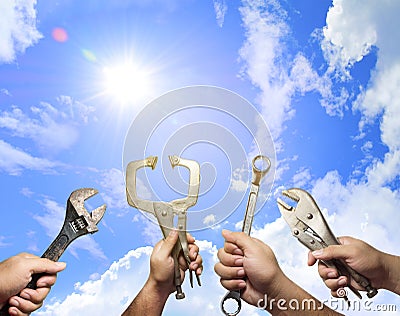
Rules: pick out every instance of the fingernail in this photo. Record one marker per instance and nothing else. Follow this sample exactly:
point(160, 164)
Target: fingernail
point(239, 262)
point(173, 232)
point(342, 282)
point(61, 264)
point(332, 274)
point(194, 266)
point(237, 251)
point(317, 253)
point(25, 295)
point(240, 273)
point(13, 312)
point(14, 302)
point(242, 284)
point(194, 254)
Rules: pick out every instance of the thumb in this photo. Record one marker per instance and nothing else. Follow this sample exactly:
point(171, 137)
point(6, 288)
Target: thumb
point(333, 252)
point(168, 244)
point(240, 239)
point(42, 265)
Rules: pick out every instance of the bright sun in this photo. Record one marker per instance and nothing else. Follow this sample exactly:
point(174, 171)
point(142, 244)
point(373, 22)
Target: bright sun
point(126, 82)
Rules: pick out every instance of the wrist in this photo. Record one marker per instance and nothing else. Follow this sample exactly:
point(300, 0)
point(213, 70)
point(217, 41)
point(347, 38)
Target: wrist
point(157, 289)
point(391, 265)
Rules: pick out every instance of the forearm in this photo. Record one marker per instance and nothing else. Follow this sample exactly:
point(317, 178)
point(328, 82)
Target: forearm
point(150, 301)
point(293, 300)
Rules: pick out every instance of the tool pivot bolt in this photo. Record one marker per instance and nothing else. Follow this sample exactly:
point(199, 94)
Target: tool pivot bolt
point(309, 216)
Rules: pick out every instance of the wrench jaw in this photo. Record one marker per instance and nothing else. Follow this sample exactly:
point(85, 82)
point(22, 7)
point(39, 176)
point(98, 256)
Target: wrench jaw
point(84, 221)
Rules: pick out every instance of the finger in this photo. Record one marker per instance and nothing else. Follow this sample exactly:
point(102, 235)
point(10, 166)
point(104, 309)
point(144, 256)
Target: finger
point(229, 272)
point(35, 296)
point(190, 238)
point(240, 239)
point(326, 272)
point(193, 251)
point(311, 259)
point(233, 285)
point(168, 244)
point(42, 265)
point(198, 262)
point(333, 252)
point(228, 259)
point(23, 306)
point(46, 280)
point(232, 249)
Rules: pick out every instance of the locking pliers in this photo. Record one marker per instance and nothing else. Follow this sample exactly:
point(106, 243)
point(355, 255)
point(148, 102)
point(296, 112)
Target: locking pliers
point(165, 212)
point(309, 226)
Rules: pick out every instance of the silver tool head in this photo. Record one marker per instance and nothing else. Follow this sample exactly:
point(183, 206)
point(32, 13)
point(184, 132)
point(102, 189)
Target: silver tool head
point(260, 171)
point(77, 201)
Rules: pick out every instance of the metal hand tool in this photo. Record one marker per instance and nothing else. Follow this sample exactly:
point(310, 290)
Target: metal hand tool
point(165, 212)
point(309, 226)
point(257, 175)
point(78, 222)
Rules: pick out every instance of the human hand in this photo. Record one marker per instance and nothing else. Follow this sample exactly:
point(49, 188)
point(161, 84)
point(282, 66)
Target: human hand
point(248, 264)
point(162, 263)
point(379, 267)
point(15, 274)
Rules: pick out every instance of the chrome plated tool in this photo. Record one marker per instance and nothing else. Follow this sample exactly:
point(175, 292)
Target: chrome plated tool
point(309, 226)
point(165, 212)
point(257, 175)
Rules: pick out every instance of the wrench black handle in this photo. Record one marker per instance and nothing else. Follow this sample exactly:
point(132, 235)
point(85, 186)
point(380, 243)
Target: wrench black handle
point(53, 253)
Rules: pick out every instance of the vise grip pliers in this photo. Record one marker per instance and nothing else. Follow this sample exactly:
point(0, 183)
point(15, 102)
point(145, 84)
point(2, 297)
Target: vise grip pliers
point(166, 211)
point(78, 222)
point(309, 226)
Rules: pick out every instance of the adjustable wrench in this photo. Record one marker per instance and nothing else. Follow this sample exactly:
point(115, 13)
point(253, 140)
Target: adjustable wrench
point(257, 175)
point(78, 222)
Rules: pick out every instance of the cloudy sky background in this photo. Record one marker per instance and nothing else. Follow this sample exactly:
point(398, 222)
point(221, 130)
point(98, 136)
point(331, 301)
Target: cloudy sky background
point(324, 75)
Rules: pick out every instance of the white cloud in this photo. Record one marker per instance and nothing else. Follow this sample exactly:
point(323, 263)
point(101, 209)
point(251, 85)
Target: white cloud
point(220, 8)
point(113, 291)
point(52, 219)
point(209, 219)
point(17, 28)
point(50, 128)
point(14, 161)
point(279, 75)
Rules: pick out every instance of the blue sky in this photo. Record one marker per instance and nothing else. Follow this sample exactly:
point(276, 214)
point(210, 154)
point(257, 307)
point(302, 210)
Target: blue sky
point(322, 74)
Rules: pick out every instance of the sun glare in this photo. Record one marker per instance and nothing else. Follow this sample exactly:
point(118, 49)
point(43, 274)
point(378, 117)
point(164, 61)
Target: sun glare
point(126, 82)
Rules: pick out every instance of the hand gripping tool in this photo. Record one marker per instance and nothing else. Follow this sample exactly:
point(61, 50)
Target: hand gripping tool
point(78, 222)
point(257, 175)
point(309, 226)
point(165, 212)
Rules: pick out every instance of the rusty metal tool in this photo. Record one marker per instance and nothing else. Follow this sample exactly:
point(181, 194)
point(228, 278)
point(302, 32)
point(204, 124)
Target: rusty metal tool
point(78, 222)
point(257, 175)
point(309, 226)
point(165, 212)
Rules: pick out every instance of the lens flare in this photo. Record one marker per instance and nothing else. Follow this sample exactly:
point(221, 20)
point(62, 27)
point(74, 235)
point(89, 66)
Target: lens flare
point(59, 34)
